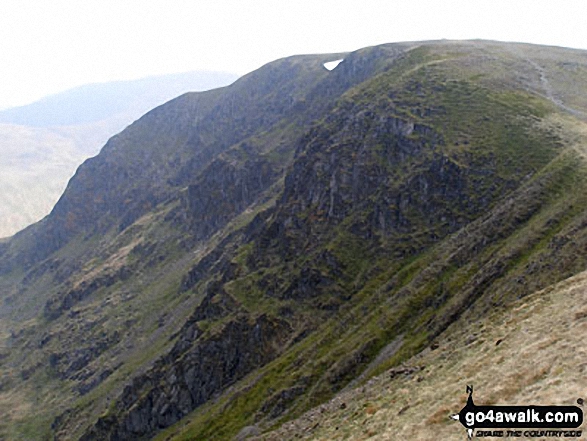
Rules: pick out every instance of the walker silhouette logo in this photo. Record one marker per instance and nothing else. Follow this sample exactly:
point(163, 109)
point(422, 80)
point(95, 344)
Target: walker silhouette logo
point(476, 419)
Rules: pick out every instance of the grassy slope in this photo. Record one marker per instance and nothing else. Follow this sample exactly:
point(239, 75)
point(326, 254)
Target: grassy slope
point(531, 352)
point(520, 234)
point(345, 338)
point(503, 255)
point(539, 358)
point(146, 309)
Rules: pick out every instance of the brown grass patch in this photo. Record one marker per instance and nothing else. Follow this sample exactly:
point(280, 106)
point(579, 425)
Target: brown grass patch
point(442, 415)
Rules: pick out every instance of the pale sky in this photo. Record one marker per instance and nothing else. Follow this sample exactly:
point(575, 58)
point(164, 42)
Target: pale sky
point(50, 46)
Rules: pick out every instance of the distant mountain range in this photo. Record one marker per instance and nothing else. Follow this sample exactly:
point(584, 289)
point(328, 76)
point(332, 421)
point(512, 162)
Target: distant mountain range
point(313, 254)
point(96, 102)
point(41, 144)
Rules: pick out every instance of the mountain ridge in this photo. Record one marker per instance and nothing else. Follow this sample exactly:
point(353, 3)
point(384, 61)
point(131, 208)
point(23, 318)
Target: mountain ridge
point(44, 142)
point(332, 223)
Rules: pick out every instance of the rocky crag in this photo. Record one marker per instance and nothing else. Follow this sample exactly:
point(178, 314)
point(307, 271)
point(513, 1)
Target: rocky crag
point(237, 257)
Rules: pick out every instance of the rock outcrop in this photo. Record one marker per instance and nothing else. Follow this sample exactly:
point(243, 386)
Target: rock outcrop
point(198, 367)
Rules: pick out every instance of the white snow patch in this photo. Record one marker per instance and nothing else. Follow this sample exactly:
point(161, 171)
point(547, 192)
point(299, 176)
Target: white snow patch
point(332, 64)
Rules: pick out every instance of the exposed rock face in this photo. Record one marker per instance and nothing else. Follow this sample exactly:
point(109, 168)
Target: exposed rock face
point(290, 226)
point(405, 177)
point(69, 364)
point(61, 303)
point(165, 149)
point(195, 369)
point(226, 188)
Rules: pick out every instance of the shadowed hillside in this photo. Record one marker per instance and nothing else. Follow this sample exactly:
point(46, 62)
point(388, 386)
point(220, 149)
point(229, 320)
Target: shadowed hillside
point(44, 142)
point(238, 257)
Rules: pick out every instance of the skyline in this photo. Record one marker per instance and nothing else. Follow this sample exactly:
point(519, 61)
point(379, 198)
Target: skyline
point(56, 46)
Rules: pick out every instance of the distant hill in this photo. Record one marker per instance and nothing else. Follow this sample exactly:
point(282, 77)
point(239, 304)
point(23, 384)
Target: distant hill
point(96, 102)
point(41, 144)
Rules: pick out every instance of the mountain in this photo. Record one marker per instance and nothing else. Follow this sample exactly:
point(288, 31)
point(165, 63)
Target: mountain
point(237, 257)
point(99, 101)
point(44, 142)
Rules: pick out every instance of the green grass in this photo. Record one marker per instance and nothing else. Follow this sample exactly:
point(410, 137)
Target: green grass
point(407, 298)
point(518, 198)
point(481, 128)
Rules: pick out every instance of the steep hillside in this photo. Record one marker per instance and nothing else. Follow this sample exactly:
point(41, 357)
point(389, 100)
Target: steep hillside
point(535, 348)
point(36, 164)
point(44, 142)
point(237, 257)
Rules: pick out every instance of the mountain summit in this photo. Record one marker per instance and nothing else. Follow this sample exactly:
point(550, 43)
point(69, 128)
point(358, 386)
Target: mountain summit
point(239, 256)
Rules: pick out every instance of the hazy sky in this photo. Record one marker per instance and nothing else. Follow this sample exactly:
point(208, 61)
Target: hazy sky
point(50, 46)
